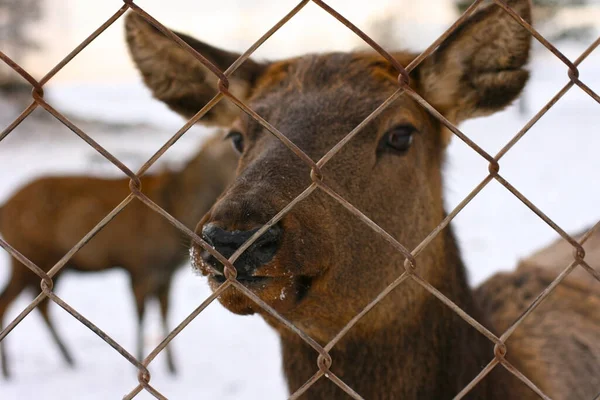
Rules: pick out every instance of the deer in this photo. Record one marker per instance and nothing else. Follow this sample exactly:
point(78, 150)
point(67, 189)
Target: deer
point(556, 256)
point(48, 216)
point(319, 266)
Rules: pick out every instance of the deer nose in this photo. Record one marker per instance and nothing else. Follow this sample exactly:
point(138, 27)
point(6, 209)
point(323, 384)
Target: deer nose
point(227, 242)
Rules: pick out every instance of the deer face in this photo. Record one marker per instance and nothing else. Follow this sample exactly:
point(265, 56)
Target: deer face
point(320, 263)
point(315, 244)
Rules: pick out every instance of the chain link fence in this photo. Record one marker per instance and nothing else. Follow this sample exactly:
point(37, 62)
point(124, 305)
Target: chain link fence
point(324, 360)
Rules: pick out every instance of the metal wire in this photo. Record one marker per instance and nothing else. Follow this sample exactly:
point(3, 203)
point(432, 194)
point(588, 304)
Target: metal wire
point(324, 360)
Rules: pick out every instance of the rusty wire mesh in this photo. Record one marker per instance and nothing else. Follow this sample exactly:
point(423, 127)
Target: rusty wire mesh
point(324, 360)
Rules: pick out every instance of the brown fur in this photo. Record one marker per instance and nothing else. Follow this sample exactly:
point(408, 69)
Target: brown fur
point(186, 85)
point(566, 327)
point(555, 257)
point(330, 265)
point(44, 219)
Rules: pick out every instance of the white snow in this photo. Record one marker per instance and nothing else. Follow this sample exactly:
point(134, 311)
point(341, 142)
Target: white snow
point(223, 356)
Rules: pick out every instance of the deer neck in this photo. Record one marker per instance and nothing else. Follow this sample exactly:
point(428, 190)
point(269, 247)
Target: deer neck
point(428, 354)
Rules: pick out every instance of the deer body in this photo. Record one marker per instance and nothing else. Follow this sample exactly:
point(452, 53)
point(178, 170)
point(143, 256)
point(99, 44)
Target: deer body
point(319, 266)
point(50, 215)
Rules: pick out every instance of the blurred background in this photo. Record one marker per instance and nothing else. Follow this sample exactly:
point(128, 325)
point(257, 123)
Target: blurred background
point(222, 356)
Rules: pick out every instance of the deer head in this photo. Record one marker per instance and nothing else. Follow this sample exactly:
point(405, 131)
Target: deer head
point(320, 265)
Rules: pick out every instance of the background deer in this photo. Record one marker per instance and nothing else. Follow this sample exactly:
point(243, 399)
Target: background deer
point(50, 215)
point(320, 266)
point(555, 257)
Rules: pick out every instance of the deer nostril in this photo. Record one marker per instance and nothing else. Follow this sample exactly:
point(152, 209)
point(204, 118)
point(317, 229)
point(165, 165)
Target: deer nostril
point(227, 242)
point(266, 246)
point(207, 234)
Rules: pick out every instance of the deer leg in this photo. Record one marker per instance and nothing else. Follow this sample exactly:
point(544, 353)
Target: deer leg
point(13, 288)
point(163, 299)
point(43, 307)
point(139, 294)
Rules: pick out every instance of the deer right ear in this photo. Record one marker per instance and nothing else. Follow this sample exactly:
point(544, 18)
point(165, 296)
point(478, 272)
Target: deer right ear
point(179, 79)
point(480, 68)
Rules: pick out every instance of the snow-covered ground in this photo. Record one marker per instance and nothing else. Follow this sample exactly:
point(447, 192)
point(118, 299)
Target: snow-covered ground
point(223, 356)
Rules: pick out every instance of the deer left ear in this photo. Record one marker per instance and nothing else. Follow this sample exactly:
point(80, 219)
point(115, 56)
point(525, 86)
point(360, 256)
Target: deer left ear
point(479, 69)
point(178, 79)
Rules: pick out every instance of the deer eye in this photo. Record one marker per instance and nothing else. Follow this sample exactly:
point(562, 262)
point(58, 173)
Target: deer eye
point(237, 139)
point(398, 139)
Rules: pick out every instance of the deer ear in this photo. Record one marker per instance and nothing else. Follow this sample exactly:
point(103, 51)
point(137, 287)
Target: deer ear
point(479, 69)
point(180, 80)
